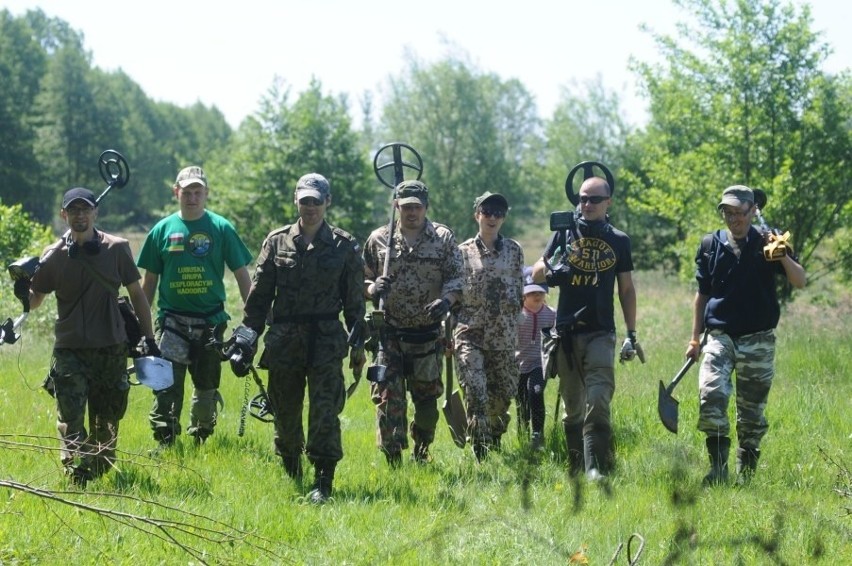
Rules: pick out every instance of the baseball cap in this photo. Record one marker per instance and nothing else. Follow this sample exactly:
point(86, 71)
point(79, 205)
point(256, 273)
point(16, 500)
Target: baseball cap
point(79, 193)
point(491, 198)
point(313, 185)
point(412, 192)
point(529, 285)
point(737, 195)
point(191, 175)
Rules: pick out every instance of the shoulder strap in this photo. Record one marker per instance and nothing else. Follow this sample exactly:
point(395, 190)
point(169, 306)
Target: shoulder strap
point(101, 279)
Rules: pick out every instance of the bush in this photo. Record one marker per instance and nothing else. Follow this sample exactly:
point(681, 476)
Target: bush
point(19, 235)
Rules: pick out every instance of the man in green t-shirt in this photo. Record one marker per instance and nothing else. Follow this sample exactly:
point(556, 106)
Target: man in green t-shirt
point(184, 258)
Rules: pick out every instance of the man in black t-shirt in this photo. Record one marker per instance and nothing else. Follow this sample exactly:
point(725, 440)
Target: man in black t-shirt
point(590, 259)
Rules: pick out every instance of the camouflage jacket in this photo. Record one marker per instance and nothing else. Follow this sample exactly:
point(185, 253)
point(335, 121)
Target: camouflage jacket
point(430, 270)
point(304, 283)
point(493, 294)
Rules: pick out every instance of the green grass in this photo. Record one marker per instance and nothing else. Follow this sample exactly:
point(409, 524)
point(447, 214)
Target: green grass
point(514, 509)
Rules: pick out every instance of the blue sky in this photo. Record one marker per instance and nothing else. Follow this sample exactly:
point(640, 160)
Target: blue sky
point(229, 55)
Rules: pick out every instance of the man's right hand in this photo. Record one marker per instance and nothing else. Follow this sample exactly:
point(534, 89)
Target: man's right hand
point(381, 286)
point(240, 350)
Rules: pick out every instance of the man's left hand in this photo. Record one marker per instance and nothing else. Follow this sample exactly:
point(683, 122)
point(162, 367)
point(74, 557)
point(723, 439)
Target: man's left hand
point(631, 348)
point(438, 309)
point(357, 360)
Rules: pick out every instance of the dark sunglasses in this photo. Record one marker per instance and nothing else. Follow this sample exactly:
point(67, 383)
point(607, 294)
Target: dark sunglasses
point(597, 199)
point(492, 212)
point(310, 201)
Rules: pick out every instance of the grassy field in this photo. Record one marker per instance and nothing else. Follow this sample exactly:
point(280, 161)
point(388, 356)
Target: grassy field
point(230, 502)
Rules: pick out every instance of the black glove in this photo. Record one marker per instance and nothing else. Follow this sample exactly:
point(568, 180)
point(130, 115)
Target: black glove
point(240, 350)
point(151, 348)
point(22, 291)
point(381, 286)
point(438, 309)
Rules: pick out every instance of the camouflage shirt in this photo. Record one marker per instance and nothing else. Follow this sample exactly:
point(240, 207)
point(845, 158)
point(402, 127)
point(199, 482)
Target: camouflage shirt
point(302, 281)
point(431, 269)
point(493, 294)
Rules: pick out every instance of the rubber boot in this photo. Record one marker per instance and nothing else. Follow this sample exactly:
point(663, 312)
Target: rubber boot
point(575, 450)
point(746, 464)
point(718, 447)
point(323, 479)
point(596, 451)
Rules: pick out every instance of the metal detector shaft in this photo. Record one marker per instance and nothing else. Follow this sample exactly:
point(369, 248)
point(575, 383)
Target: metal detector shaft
point(9, 329)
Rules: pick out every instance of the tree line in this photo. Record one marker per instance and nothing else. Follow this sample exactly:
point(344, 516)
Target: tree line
point(740, 97)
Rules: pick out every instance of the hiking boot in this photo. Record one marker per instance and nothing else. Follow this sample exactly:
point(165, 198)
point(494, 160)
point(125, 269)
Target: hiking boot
point(718, 448)
point(593, 475)
point(537, 441)
point(575, 450)
point(480, 451)
point(78, 475)
point(421, 455)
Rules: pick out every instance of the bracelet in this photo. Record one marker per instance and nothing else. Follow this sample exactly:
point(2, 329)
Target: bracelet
point(694, 343)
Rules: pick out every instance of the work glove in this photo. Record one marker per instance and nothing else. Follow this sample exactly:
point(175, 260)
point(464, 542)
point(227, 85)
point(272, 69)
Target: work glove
point(381, 286)
point(776, 245)
point(240, 350)
point(151, 348)
point(22, 291)
point(631, 349)
point(357, 361)
point(438, 309)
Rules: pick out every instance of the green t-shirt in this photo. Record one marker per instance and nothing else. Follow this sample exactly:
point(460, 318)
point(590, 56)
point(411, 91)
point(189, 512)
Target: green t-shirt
point(190, 258)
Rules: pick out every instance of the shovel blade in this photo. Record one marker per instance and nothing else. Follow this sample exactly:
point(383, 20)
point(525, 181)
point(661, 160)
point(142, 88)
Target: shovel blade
point(668, 409)
point(456, 418)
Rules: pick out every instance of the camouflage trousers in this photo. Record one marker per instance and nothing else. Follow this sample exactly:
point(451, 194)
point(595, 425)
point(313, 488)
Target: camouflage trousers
point(96, 378)
point(188, 352)
point(415, 368)
point(753, 358)
point(489, 379)
point(587, 380)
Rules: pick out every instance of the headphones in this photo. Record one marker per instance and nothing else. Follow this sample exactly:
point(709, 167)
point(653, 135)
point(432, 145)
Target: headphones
point(92, 247)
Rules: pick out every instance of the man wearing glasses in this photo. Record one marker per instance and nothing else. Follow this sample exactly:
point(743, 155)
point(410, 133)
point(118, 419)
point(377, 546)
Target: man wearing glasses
point(592, 258)
point(487, 332)
point(736, 306)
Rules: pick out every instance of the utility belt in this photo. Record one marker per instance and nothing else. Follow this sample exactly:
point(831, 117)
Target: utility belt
point(415, 335)
point(716, 330)
point(183, 336)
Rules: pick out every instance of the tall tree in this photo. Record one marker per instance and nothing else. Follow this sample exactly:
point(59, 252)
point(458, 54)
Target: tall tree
point(473, 131)
point(740, 98)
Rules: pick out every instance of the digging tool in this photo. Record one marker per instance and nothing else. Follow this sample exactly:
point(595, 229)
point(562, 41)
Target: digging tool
point(454, 411)
point(391, 172)
point(667, 405)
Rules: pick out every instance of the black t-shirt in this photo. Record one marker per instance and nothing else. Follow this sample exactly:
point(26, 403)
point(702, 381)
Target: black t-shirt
point(592, 266)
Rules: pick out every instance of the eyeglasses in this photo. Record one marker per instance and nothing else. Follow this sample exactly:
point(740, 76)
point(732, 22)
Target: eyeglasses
point(733, 214)
point(493, 213)
point(596, 199)
point(310, 201)
point(78, 210)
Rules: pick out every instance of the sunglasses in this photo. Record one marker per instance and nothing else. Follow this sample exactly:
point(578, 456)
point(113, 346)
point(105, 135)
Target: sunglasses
point(310, 201)
point(492, 212)
point(597, 199)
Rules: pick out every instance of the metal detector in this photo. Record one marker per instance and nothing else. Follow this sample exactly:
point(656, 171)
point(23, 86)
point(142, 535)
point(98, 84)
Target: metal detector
point(389, 165)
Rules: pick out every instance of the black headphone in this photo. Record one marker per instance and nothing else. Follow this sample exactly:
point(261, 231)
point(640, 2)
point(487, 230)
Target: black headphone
point(92, 247)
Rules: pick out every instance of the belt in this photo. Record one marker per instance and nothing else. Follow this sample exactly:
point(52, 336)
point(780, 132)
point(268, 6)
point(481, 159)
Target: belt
point(305, 318)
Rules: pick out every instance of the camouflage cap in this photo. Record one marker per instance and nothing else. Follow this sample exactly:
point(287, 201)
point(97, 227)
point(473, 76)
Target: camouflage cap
point(192, 175)
point(495, 199)
point(736, 195)
point(412, 192)
point(313, 185)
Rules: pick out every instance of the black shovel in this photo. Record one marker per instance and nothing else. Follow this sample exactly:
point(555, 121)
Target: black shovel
point(667, 405)
point(454, 412)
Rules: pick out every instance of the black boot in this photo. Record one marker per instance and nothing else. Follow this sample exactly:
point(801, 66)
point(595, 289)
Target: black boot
point(293, 466)
point(574, 443)
point(718, 447)
point(746, 464)
point(421, 455)
point(596, 449)
point(323, 479)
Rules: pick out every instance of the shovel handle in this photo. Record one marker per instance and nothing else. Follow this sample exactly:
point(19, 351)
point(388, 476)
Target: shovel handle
point(680, 375)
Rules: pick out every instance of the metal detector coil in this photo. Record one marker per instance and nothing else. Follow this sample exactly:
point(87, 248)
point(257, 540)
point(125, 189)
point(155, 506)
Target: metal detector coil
point(114, 171)
point(588, 168)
